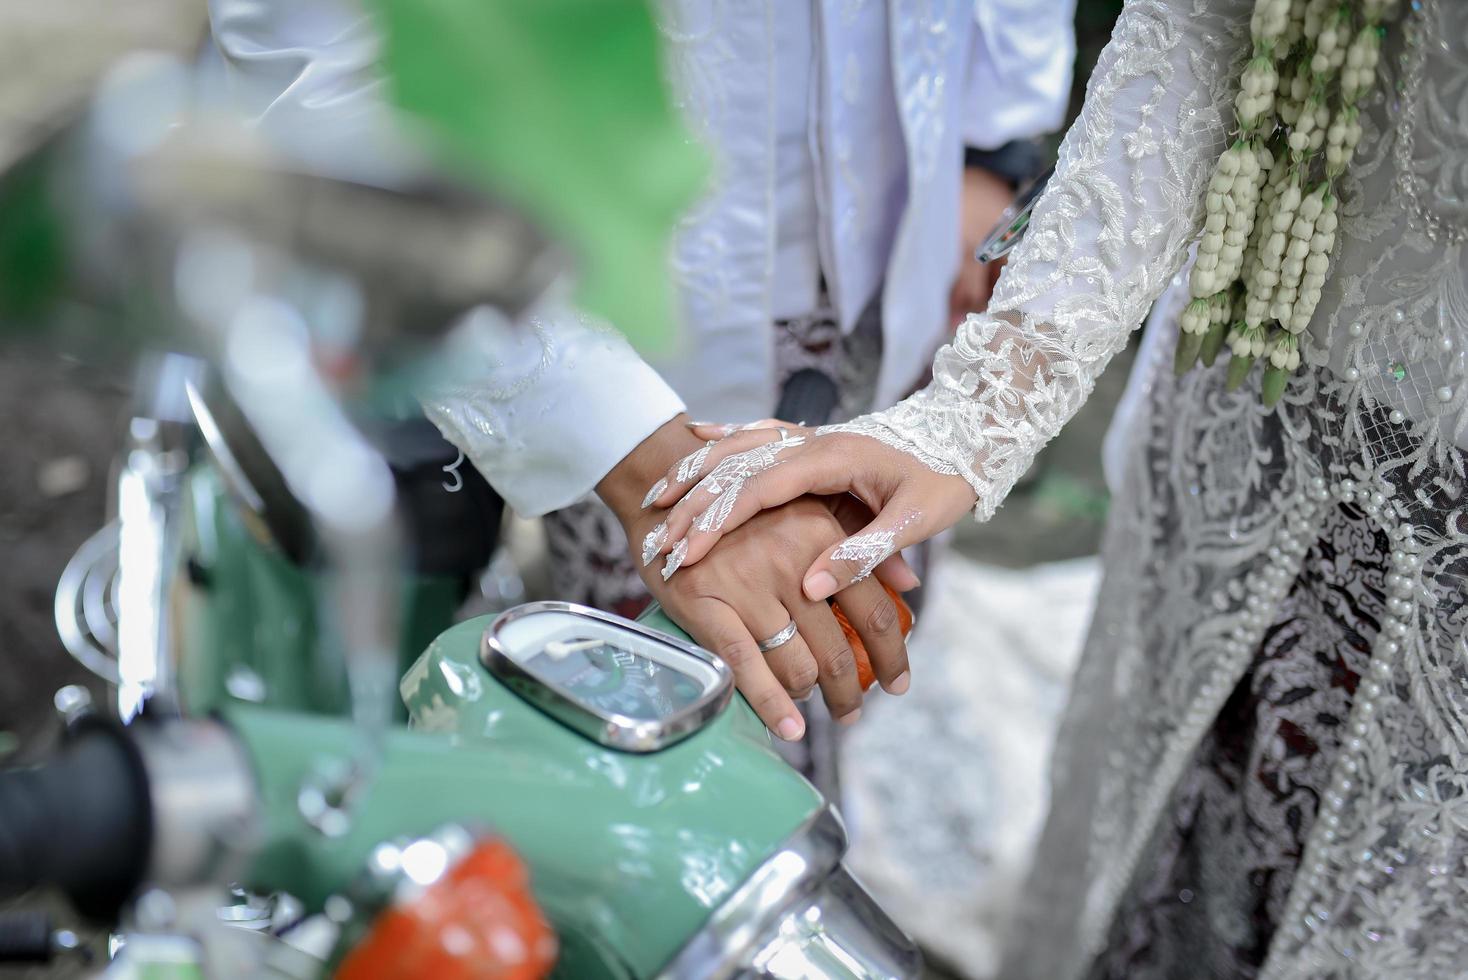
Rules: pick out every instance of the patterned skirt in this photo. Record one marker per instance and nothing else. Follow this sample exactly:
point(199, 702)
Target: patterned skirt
point(1209, 893)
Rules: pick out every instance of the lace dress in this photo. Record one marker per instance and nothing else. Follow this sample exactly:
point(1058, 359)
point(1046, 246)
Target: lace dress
point(1263, 769)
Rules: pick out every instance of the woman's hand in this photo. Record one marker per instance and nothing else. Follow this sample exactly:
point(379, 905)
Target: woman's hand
point(750, 589)
point(769, 463)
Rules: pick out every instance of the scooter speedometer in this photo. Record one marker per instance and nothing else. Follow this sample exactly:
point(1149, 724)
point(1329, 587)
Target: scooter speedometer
point(617, 682)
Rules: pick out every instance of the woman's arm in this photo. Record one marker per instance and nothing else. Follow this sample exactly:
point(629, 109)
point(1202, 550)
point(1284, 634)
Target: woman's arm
point(1112, 229)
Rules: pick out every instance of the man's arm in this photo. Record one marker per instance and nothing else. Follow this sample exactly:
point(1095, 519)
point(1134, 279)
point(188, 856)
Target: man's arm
point(551, 408)
point(1016, 89)
point(544, 409)
point(547, 408)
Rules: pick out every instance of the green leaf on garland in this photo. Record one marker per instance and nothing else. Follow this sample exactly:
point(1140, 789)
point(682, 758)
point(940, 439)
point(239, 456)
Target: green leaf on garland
point(1274, 385)
point(1213, 343)
point(1238, 370)
point(560, 107)
point(1188, 345)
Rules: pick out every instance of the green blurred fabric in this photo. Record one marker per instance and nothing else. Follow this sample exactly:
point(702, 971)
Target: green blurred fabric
point(560, 106)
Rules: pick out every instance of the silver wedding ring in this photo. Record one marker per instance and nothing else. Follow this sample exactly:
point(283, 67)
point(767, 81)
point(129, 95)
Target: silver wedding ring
point(779, 639)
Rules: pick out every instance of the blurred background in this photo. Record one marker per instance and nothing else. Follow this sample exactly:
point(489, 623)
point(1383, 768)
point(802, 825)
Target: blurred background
point(990, 662)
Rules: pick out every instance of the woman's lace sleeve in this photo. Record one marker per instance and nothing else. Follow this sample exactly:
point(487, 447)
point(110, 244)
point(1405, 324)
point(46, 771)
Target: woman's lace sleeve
point(1111, 230)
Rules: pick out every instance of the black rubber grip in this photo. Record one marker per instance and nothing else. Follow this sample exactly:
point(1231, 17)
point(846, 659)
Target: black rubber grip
point(81, 823)
point(25, 937)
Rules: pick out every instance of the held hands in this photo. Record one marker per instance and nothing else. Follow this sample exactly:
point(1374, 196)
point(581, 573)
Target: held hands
point(749, 590)
point(715, 490)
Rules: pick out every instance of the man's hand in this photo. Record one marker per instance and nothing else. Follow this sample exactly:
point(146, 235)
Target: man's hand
point(749, 588)
point(985, 196)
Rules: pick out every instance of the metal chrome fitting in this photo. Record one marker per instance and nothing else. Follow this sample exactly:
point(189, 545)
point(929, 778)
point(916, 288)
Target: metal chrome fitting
point(202, 791)
point(801, 914)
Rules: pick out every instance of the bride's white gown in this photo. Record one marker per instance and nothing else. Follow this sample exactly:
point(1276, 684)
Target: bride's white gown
point(1263, 769)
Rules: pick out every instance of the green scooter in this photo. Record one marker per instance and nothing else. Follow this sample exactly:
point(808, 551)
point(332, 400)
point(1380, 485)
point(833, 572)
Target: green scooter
point(263, 812)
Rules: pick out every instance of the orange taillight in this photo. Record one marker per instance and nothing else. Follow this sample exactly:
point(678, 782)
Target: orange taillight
point(478, 922)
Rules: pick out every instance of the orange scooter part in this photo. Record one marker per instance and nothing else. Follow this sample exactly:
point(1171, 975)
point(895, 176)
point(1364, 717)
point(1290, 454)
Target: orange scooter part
point(478, 922)
point(864, 673)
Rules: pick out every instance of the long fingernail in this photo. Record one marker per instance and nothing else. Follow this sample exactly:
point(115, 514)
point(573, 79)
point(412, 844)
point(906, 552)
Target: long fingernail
point(900, 683)
point(790, 729)
point(690, 466)
point(820, 585)
point(699, 425)
point(850, 717)
point(653, 543)
point(654, 493)
point(675, 559)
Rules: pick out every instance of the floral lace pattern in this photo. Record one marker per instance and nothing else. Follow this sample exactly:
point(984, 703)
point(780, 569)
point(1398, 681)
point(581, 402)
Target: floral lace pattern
point(1210, 893)
point(1222, 500)
point(1097, 253)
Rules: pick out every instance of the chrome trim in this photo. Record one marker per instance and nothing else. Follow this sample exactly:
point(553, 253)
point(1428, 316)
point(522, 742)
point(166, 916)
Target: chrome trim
point(251, 477)
point(800, 914)
point(229, 467)
point(612, 730)
point(838, 932)
point(204, 802)
point(84, 621)
point(147, 542)
point(728, 940)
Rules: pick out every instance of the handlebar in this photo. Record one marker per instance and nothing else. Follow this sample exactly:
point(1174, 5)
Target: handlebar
point(81, 822)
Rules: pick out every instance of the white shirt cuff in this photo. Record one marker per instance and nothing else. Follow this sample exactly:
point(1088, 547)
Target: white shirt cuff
point(545, 409)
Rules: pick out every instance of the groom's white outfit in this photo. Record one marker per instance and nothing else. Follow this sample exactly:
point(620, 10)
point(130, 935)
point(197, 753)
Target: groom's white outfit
point(837, 130)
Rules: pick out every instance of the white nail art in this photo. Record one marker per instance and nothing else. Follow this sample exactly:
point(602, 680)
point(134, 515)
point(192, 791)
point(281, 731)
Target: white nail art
point(653, 543)
point(741, 466)
point(871, 548)
point(655, 492)
point(729, 478)
point(675, 559)
point(691, 464)
point(718, 512)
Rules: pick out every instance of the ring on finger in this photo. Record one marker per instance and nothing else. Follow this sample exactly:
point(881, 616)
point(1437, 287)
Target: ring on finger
point(779, 639)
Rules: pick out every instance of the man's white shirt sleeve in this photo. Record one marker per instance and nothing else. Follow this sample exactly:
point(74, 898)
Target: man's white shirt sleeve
point(543, 408)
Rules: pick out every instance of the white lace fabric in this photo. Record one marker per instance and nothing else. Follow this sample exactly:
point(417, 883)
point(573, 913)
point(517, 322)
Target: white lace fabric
point(1222, 499)
point(1110, 231)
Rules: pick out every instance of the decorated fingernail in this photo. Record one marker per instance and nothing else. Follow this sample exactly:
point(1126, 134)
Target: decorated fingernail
point(654, 493)
point(653, 543)
point(692, 464)
point(675, 559)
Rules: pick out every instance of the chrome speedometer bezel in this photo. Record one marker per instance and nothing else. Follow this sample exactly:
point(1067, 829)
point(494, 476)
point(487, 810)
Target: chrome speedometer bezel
point(615, 731)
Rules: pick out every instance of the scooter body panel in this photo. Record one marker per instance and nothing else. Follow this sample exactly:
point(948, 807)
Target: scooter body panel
point(630, 853)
